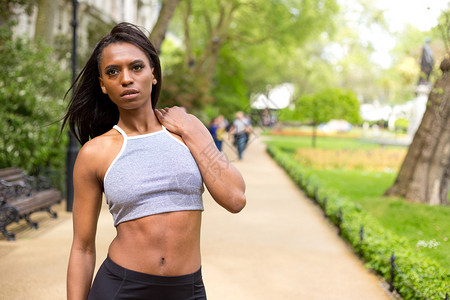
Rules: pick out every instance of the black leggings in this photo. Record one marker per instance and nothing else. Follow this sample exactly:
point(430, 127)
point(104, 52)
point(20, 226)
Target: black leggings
point(114, 282)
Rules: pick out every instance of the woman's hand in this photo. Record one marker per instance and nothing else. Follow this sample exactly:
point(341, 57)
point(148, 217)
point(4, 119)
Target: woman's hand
point(175, 119)
point(223, 180)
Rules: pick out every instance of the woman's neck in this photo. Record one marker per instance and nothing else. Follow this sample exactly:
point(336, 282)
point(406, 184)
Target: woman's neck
point(139, 122)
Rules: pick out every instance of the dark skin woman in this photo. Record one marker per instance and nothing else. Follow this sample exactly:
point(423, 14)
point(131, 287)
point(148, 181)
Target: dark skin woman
point(120, 85)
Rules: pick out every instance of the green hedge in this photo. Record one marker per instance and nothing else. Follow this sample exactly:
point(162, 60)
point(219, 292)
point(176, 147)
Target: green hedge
point(416, 276)
point(32, 87)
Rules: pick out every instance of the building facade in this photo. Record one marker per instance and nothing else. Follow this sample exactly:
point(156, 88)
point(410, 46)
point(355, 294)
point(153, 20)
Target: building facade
point(95, 19)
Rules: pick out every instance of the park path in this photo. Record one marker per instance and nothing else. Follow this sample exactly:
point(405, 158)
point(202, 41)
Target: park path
point(278, 247)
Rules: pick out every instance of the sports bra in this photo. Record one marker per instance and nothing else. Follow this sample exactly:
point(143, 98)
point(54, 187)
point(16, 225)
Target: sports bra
point(153, 173)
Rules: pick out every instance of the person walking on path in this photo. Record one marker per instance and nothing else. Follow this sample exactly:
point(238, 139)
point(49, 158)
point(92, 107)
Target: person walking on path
point(151, 165)
point(218, 130)
point(240, 131)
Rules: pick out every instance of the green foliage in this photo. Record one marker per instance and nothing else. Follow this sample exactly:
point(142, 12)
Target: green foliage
point(32, 87)
point(288, 114)
point(229, 90)
point(252, 23)
point(182, 88)
point(401, 79)
point(415, 221)
point(332, 103)
point(402, 124)
point(8, 8)
point(308, 70)
point(356, 69)
point(444, 29)
point(275, 42)
point(247, 45)
point(417, 276)
point(349, 54)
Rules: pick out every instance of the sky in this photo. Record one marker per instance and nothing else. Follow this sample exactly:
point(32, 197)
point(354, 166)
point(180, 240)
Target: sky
point(422, 14)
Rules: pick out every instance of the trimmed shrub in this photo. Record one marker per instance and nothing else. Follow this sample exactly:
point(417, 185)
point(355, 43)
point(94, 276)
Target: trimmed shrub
point(416, 276)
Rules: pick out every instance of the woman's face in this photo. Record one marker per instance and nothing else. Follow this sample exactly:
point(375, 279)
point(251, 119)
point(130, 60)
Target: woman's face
point(126, 75)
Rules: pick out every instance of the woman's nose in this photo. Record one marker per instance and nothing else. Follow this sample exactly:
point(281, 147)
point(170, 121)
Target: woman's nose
point(126, 78)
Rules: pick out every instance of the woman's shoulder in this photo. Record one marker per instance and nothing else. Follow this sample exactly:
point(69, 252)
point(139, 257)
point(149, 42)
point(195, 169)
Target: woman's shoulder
point(102, 145)
point(97, 154)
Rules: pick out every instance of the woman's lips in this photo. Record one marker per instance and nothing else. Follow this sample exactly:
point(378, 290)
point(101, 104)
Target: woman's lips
point(129, 94)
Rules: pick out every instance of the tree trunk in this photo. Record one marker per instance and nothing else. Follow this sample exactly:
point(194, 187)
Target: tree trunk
point(159, 30)
point(314, 135)
point(217, 36)
point(45, 20)
point(189, 60)
point(425, 173)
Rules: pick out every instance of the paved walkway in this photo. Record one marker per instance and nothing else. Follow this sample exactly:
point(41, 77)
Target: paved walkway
point(278, 247)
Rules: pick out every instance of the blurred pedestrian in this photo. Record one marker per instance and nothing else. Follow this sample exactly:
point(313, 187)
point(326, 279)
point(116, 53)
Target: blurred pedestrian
point(240, 131)
point(218, 130)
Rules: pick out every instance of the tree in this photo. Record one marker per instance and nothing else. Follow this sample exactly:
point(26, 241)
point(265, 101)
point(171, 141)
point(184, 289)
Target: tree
point(350, 49)
point(260, 34)
point(425, 173)
point(44, 23)
point(326, 105)
point(165, 15)
point(309, 71)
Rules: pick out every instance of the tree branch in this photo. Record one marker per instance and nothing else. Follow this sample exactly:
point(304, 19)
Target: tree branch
point(159, 30)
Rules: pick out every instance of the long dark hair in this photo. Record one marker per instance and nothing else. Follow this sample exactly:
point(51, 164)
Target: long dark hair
point(90, 112)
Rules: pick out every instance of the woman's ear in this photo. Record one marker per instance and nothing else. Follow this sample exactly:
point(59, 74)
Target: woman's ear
point(102, 86)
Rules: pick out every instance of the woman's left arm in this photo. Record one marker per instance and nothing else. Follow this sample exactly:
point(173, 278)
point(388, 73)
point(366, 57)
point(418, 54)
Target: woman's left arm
point(223, 180)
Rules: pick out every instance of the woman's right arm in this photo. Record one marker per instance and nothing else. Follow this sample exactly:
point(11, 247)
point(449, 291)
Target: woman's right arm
point(86, 209)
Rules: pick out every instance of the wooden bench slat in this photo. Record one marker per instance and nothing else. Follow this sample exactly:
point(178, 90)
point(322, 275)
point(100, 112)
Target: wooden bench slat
point(26, 202)
point(39, 201)
point(8, 171)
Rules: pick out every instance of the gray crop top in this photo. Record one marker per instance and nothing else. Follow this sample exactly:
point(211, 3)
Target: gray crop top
point(153, 173)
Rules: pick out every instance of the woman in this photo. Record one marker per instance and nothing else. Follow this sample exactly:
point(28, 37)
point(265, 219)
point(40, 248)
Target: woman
point(151, 164)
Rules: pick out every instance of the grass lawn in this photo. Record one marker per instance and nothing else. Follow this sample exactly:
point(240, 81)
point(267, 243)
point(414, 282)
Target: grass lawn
point(427, 228)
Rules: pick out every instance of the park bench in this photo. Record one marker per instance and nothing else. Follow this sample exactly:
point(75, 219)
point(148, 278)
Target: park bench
point(22, 195)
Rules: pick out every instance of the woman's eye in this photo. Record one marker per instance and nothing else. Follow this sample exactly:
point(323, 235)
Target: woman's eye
point(111, 72)
point(138, 67)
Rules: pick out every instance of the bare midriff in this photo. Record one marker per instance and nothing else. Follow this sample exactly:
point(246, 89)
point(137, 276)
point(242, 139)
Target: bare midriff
point(165, 244)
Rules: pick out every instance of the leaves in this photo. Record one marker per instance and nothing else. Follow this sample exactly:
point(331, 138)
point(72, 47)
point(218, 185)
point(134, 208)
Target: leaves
point(256, 37)
point(331, 103)
point(32, 87)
